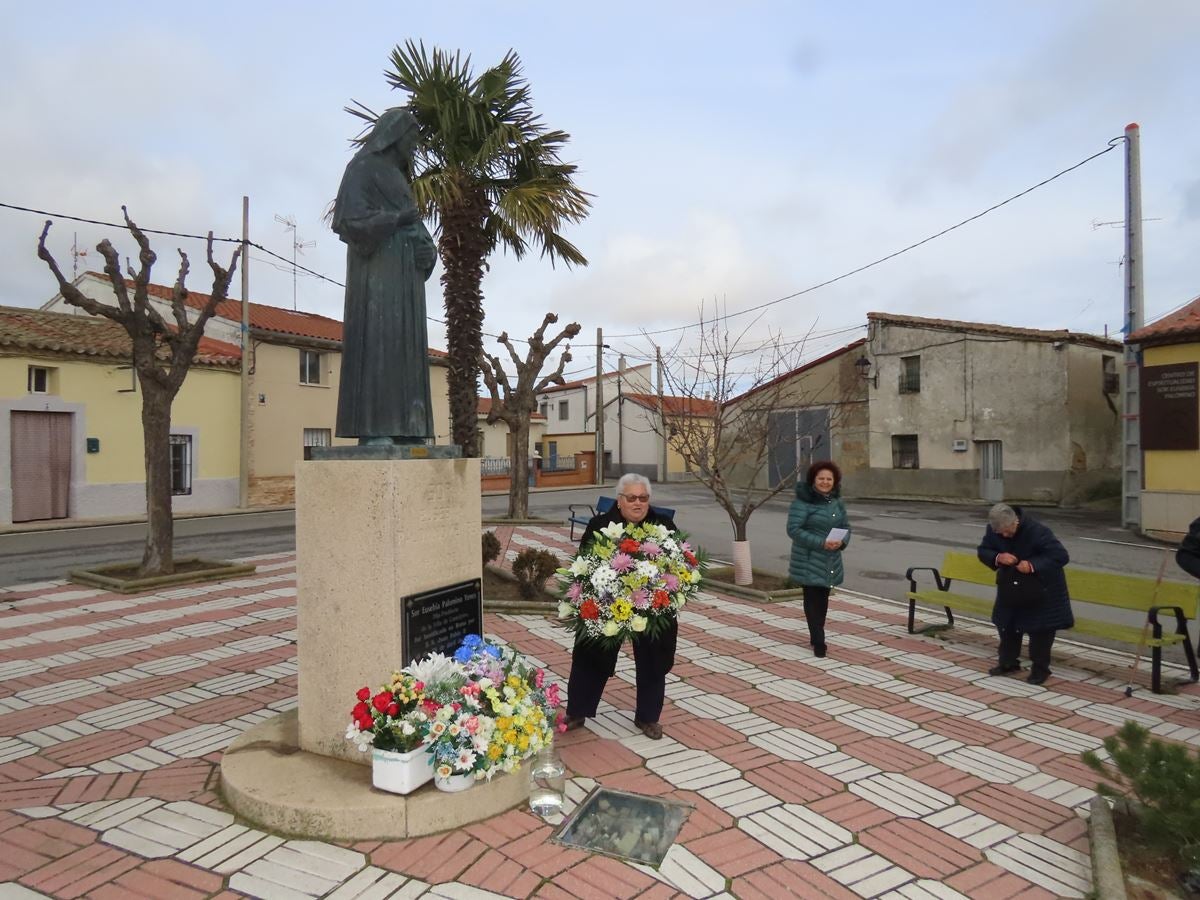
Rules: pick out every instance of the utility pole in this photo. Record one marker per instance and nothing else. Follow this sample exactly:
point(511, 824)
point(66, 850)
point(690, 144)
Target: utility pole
point(621, 413)
point(1131, 445)
point(599, 406)
point(244, 448)
point(662, 415)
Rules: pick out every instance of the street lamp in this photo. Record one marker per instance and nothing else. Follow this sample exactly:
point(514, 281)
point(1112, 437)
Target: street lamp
point(863, 365)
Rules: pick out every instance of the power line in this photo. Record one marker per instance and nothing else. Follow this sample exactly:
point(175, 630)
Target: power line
point(808, 290)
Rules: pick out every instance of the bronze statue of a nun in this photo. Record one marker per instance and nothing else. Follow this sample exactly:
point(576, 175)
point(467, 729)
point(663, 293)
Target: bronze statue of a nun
point(384, 395)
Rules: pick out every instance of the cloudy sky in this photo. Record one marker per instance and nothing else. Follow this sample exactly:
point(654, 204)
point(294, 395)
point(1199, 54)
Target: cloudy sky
point(736, 156)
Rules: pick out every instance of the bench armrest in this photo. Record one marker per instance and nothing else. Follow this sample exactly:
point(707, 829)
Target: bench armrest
point(1180, 619)
point(942, 584)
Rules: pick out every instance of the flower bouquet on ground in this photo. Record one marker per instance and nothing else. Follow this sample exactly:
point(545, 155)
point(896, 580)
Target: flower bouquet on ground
point(630, 580)
point(393, 722)
point(495, 712)
point(480, 712)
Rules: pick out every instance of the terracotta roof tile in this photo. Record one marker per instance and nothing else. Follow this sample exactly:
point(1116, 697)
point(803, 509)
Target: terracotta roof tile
point(1034, 334)
point(675, 406)
point(853, 345)
point(84, 335)
point(1181, 325)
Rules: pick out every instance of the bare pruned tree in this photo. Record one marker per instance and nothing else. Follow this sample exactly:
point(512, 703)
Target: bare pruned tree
point(721, 395)
point(515, 401)
point(162, 354)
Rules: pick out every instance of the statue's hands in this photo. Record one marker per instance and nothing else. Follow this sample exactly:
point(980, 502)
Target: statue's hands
point(425, 254)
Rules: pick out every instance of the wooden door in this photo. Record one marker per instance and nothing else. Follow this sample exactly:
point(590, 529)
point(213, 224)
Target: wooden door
point(41, 465)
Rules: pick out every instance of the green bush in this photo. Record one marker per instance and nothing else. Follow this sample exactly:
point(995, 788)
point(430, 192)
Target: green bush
point(532, 569)
point(491, 546)
point(1163, 780)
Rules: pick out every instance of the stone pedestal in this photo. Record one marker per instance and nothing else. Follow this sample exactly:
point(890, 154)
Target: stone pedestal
point(369, 532)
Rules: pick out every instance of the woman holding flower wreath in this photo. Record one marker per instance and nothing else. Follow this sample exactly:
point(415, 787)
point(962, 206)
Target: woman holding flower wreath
point(594, 662)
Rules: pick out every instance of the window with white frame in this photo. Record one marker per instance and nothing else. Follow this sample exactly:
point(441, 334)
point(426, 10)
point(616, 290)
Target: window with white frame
point(39, 380)
point(316, 437)
point(310, 367)
point(181, 464)
point(564, 411)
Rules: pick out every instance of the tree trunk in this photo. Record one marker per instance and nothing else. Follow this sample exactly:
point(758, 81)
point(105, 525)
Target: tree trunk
point(518, 491)
point(158, 558)
point(462, 249)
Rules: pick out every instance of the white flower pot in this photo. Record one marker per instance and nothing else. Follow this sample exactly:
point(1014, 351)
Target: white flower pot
point(454, 783)
point(400, 773)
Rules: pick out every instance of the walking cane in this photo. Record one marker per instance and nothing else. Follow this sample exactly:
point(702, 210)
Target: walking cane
point(1141, 647)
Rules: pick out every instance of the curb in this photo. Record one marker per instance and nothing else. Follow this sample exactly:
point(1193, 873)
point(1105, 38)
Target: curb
point(1107, 880)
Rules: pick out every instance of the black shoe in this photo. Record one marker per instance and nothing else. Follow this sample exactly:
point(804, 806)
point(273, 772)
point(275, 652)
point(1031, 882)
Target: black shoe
point(651, 730)
point(1037, 677)
point(570, 723)
point(819, 650)
point(1005, 668)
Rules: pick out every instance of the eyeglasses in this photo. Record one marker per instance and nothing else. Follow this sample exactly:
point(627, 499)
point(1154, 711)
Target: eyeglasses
point(637, 498)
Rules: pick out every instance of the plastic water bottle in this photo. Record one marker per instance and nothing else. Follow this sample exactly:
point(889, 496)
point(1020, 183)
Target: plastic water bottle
point(547, 783)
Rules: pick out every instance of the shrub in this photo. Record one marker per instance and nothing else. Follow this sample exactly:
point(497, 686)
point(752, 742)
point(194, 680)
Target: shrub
point(532, 569)
point(1164, 781)
point(491, 546)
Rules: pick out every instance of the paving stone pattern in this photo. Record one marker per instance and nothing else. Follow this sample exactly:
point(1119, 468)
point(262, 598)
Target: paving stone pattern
point(895, 767)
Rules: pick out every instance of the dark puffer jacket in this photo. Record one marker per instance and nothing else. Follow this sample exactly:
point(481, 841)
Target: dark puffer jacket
point(1188, 554)
point(811, 516)
point(1037, 544)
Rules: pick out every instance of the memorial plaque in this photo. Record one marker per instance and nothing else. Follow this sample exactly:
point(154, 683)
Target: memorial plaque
point(436, 621)
point(632, 827)
point(1170, 407)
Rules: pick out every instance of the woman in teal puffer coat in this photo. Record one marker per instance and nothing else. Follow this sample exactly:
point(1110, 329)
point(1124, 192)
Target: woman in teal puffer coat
point(816, 562)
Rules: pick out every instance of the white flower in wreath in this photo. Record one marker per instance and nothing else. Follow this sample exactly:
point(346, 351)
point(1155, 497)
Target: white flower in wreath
point(611, 628)
point(580, 566)
point(638, 623)
point(362, 739)
point(670, 545)
point(565, 610)
point(406, 728)
point(646, 569)
point(603, 579)
point(659, 531)
point(613, 531)
point(680, 599)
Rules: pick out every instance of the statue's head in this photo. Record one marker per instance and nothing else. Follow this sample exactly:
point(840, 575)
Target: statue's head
point(396, 127)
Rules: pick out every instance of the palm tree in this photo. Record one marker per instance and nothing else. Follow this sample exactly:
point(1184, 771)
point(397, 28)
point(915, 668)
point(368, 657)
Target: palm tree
point(488, 175)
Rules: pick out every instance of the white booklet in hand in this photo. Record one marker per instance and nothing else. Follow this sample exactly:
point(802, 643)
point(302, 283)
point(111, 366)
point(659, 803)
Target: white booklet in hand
point(837, 534)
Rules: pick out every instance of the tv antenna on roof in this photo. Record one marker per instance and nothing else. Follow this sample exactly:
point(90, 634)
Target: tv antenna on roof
point(76, 253)
point(298, 246)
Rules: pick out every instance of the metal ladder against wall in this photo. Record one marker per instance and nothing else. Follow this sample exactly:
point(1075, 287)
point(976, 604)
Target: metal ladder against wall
point(1131, 442)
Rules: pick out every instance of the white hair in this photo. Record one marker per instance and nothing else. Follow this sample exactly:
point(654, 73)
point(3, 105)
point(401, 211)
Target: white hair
point(1001, 516)
point(629, 480)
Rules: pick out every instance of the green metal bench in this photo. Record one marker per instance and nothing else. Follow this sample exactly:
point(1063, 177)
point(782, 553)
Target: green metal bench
point(1130, 592)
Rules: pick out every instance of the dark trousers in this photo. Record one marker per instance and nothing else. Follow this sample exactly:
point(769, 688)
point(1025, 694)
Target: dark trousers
point(816, 608)
point(1040, 643)
point(592, 666)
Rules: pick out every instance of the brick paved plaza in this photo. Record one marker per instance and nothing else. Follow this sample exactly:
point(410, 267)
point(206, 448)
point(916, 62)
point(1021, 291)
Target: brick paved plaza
point(893, 768)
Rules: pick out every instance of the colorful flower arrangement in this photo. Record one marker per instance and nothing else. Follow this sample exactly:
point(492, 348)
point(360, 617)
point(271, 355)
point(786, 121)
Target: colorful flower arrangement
point(630, 580)
point(481, 711)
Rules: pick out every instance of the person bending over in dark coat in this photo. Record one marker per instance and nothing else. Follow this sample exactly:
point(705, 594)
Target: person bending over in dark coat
point(1015, 541)
point(1188, 554)
point(592, 664)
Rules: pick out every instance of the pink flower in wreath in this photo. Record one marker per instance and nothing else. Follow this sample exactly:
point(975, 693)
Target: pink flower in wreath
point(621, 562)
point(640, 599)
point(651, 549)
point(471, 723)
point(539, 677)
point(575, 591)
point(670, 582)
point(552, 695)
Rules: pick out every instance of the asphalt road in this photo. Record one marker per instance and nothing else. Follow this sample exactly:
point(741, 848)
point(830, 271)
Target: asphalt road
point(888, 538)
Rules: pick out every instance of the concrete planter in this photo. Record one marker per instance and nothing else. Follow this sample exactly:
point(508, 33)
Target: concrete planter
point(400, 773)
point(748, 593)
point(122, 577)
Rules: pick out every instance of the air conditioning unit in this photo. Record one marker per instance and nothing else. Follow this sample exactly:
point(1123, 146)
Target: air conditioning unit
point(959, 445)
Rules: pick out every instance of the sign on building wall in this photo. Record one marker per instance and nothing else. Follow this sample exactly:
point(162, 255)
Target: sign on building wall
point(1170, 416)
